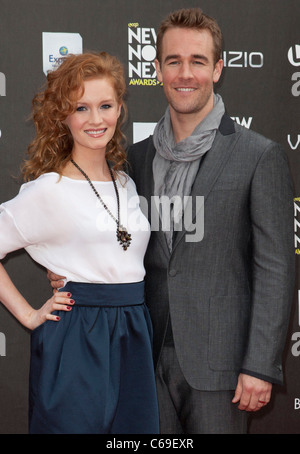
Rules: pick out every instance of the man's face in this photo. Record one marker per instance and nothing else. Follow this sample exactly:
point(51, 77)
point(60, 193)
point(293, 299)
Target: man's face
point(187, 71)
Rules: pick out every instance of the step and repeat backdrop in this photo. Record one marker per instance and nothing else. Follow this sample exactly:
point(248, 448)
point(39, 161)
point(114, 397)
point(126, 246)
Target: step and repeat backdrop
point(260, 86)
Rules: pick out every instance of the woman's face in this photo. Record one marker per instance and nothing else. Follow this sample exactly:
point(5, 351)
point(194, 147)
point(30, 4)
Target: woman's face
point(94, 121)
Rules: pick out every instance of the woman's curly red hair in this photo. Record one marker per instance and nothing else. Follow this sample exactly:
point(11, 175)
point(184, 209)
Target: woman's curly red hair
point(52, 146)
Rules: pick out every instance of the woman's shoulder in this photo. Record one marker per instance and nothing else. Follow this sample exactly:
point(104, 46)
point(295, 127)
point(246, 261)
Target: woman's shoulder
point(40, 189)
point(34, 194)
point(43, 181)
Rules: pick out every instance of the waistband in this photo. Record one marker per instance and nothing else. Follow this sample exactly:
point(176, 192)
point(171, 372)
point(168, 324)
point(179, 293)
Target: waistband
point(106, 295)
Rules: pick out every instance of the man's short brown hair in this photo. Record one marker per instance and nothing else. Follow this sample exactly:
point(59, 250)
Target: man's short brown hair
point(192, 18)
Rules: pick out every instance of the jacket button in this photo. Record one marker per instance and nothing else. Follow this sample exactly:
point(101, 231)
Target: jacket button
point(172, 273)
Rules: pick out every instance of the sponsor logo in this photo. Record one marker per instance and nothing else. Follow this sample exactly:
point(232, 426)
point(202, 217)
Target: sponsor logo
point(293, 142)
point(2, 84)
point(296, 86)
point(2, 89)
point(2, 345)
point(63, 50)
point(294, 59)
point(294, 55)
point(141, 55)
point(56, 46)
point(243, 121)
point(295, 350)
point(242, 59)
point(296, 224)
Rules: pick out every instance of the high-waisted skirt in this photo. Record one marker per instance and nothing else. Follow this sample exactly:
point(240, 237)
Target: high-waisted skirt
point(92, 371)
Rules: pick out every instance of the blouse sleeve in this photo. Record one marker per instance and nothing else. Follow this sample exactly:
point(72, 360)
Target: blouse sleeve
point(21, 224)
point(11, 238)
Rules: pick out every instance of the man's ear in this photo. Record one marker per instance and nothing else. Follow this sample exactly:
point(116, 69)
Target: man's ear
point(158, 70)
point(218, 71)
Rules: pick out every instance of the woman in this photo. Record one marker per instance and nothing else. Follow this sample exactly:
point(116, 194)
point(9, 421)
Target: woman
point(91, 356)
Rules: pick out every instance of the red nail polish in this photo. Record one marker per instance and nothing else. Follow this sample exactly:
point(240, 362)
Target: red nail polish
point(57, 318)
point(72, 301)
point(69, 308)
point(69, 294)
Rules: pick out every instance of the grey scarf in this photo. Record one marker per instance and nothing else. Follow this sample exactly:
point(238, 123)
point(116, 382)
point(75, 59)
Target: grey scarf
point(175, 165)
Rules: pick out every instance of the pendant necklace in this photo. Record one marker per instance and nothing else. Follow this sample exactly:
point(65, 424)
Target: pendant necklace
point(123, 237)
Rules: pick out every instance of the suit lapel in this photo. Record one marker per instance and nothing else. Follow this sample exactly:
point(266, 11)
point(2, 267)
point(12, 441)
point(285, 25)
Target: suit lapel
point(210, 169)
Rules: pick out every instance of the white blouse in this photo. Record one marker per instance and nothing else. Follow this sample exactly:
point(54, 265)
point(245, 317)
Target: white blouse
point(64, 227)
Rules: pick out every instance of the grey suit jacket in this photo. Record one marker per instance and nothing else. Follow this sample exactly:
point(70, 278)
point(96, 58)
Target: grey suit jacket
point(229, 295)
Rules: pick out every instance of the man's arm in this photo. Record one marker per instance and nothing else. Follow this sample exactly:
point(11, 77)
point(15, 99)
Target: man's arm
point(273, 268)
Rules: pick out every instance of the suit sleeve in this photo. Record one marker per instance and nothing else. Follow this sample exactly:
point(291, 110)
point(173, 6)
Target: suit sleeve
point(273, 266)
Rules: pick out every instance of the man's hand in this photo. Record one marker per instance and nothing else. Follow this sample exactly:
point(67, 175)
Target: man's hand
point(55, 280)
point(252, 393)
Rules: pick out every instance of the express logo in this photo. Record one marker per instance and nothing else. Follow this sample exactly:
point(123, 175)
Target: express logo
point(56, 46)
point(63, 50)
point(141, 55)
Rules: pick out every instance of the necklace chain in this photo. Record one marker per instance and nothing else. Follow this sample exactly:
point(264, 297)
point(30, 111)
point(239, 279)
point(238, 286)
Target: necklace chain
point(123, 237)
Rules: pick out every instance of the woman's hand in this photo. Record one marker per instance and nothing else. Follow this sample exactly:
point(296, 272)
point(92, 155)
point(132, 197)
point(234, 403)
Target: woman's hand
point(60, 301)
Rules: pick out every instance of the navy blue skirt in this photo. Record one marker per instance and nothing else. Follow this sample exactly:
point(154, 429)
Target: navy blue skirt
point(92, 372)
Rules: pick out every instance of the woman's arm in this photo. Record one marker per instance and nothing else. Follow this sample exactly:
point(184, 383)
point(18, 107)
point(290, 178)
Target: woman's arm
point(21, 309)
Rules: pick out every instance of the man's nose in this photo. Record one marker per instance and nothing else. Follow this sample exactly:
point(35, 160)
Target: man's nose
point(186, 71)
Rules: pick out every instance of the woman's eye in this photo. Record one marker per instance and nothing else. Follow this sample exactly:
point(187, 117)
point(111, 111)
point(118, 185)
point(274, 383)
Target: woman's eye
point(106, 106)
point(80, 109)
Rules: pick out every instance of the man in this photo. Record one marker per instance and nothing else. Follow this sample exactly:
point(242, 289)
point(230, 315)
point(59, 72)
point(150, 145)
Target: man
point(227, 297)
point(219, 301)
